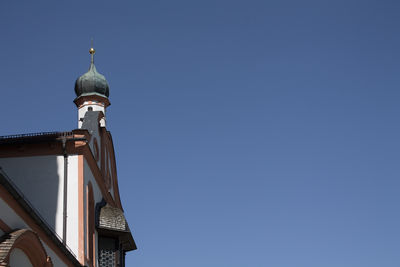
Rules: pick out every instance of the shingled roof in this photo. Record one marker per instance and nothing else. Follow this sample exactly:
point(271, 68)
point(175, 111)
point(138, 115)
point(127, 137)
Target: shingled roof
point(112, 218)
point(111, 222)
point(6, 243)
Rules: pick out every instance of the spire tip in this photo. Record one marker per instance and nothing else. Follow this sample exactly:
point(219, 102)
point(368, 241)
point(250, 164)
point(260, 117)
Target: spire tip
point(92, 51)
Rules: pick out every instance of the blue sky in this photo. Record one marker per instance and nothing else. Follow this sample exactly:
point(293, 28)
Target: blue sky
point(247, 133)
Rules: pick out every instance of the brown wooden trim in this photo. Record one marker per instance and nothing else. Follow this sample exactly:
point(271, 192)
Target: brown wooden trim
point(29, 150)
point(33, 248)
point(83, 133)
point(13, 204)
point(43, 148)
point(4, 227)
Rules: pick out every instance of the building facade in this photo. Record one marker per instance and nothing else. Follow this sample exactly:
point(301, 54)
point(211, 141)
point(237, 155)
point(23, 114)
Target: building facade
point(59, 197)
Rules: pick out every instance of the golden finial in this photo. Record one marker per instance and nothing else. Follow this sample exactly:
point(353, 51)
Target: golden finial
point(91, 51)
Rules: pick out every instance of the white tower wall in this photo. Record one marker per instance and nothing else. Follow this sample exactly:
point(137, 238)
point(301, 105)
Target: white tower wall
point(94, 106)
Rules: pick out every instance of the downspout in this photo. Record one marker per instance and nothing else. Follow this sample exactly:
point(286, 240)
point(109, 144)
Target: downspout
point(64, 141)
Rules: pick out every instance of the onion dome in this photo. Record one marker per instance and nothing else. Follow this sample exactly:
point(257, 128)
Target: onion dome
point(92, 82)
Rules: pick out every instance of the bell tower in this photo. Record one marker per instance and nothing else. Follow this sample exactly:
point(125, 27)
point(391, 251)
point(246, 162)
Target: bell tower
point(92, 92)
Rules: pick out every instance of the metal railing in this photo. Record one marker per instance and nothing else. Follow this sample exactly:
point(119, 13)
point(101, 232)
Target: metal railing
point(42, 134)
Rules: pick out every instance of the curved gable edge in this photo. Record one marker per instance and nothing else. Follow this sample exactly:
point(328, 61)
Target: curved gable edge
point(108, 144)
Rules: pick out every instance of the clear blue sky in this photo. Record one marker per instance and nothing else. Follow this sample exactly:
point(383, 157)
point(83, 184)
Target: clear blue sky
point(247, 133)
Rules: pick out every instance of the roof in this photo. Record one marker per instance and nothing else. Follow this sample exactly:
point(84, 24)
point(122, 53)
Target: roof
point(111, 221)
point(92, 82)
point(33, 137)
point(7, 242)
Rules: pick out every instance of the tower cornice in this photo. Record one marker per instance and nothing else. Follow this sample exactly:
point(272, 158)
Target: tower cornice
point(79, 101)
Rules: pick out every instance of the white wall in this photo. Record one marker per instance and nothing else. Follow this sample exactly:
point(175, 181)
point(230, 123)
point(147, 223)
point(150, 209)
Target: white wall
point(57, 262)
point(10, 218)
point(40, 179)
point(19, 259)
point(14, 221)
point(95, 107)
point(72, 205)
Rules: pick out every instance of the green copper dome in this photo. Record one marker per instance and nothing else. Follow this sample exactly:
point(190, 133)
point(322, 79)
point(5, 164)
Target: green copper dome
point(92, 82)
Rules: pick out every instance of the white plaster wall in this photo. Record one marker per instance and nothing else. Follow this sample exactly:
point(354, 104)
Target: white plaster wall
point(57, 262)
point(72, 205)
point(14, 221)
point(95, 134)
point(60, 196)
point(40, 179)
point(84, 109)
point(9, 216)
point(19, 259)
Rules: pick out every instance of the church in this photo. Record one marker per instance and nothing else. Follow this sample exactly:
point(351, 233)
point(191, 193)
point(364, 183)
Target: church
point(59, 197)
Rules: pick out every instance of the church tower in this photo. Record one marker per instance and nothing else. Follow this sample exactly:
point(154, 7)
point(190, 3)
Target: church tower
point(92, 92)
point(59, 198)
